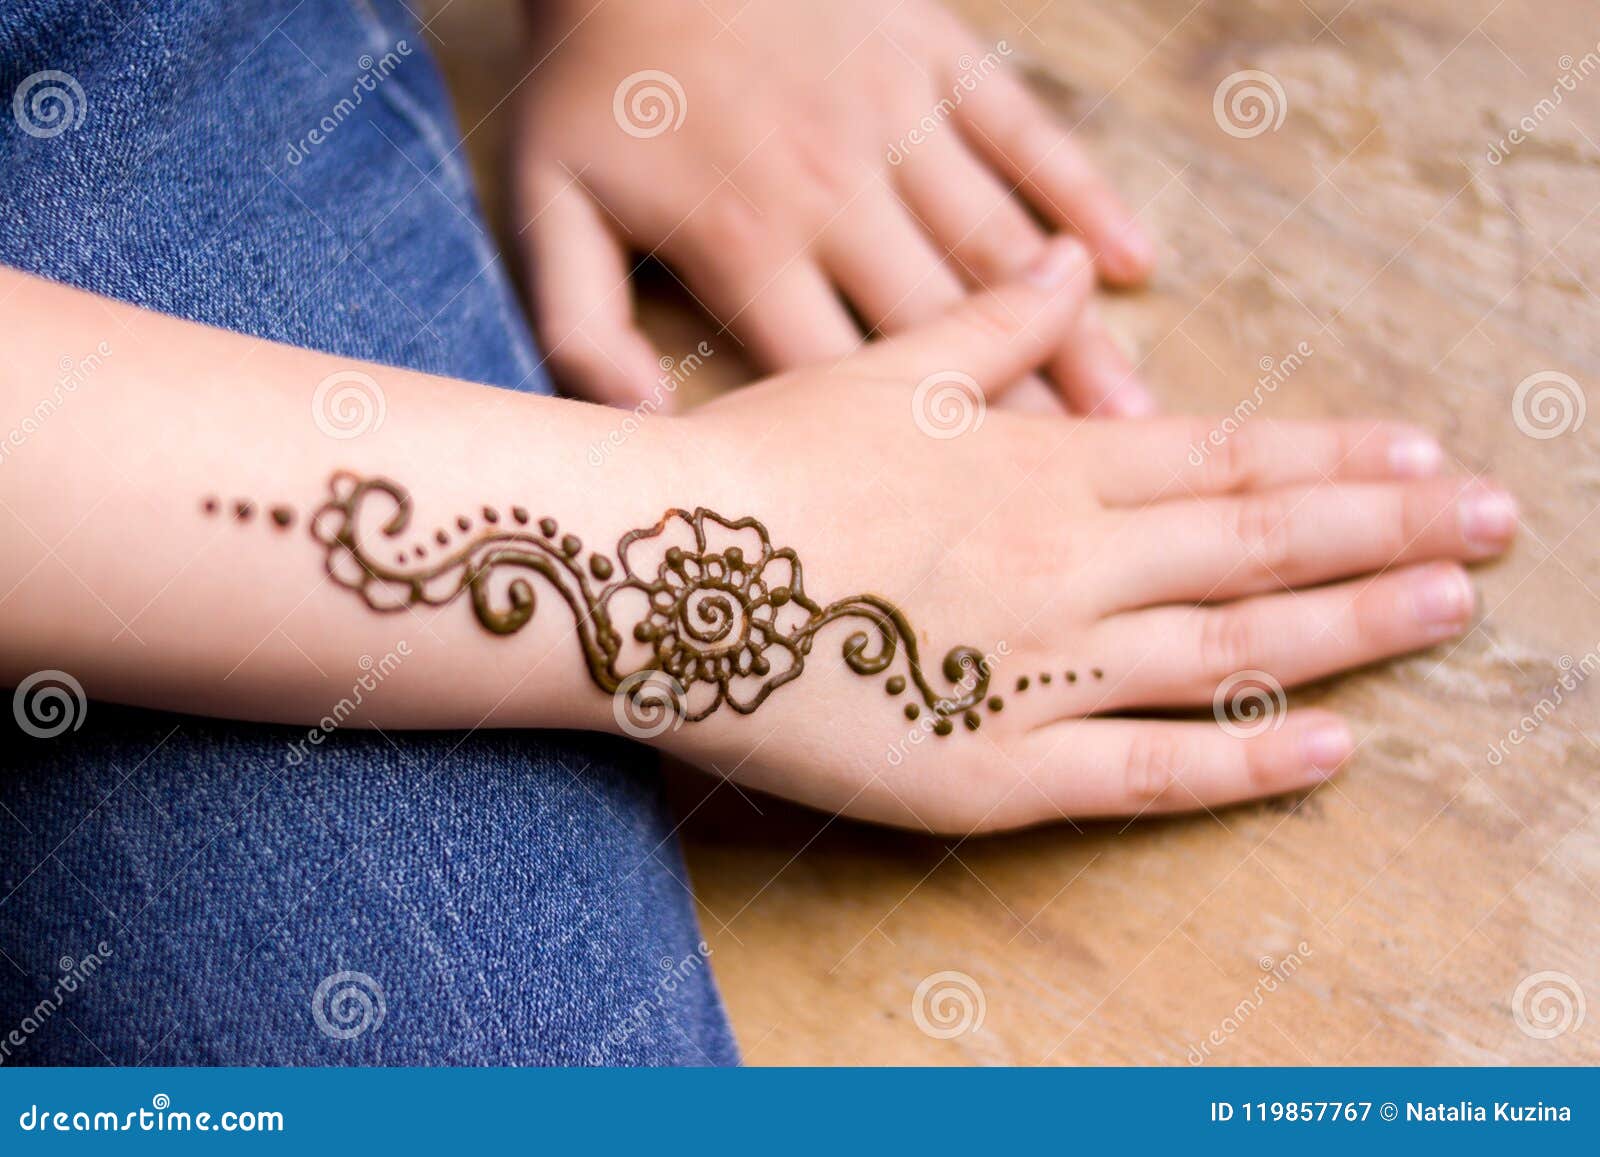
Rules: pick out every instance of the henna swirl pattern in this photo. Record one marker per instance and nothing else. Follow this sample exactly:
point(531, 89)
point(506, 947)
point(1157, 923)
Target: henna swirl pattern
point(714, 605)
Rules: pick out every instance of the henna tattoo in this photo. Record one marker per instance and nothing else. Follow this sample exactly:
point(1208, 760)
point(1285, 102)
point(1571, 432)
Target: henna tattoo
point(715, 606)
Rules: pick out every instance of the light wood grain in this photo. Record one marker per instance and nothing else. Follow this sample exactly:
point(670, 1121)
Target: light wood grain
point(1428, 882)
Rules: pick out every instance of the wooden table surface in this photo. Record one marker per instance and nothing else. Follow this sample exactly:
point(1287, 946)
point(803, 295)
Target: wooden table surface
point(1437, 904)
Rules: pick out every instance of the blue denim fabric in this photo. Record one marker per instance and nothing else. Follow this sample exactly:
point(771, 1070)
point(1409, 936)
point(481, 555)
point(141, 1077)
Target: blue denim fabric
point(409, 898)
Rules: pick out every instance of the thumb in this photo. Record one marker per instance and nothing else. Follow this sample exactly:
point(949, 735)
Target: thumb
point(582, 297)
point(998, 336)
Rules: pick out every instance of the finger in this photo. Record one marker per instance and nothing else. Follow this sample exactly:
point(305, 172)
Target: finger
point(991, 237)
point(1010, 129)
point(1096, 376)
point(785, 312)
point(963, 205)
point(582, 302)
point(886, 266)
point(1222, 548)
point(1116, 767)
point(1031, 396)
point(1190, 656)
point(994, 337)
point(1194, 458)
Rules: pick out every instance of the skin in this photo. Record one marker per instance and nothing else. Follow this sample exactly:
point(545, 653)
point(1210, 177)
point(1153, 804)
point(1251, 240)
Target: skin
point(1054, 544)
point(790, 200)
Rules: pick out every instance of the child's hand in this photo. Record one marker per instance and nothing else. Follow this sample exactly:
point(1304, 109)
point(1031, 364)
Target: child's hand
point(794, 161)
point(1104, 568)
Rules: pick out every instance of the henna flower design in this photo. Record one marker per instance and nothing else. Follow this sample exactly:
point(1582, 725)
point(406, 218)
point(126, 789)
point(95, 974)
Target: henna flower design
point(711, 604)
point(723, 608)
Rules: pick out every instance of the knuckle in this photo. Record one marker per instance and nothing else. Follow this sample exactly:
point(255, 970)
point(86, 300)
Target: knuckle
point(577, 356)
point(1154, 762)
point(1228, 643)
point(1406, 518)
point(1027, 133)
point(824, 171)
point(725, 221)
point(1236, 465)
point(1265, 529)
point(1000, 247)
point(990, 320)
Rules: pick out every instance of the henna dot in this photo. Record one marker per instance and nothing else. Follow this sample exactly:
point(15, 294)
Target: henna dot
point(734, 557)
point(570, 545)
point(1022, 683)
point(943, 727)
point(547, 527)
point(972, 720)
point(1072, 676)
point(1045, 677)
point(996, 703)
point(422, 551)
point(912, 711)
point(644, 632)
point(760, 665)
point(780, 596)
point(400, 559)
point(440, 537)
point(895, 685)
point(1097, 673)
point(490, 514)
point(674, 556)
point(520, 513)
point(282, 517)
point(464, 523)
point(209, 505)
point(600, 567)
point(244, 509)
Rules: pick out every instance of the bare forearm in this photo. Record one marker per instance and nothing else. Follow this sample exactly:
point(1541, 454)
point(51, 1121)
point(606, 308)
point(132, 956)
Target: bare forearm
point(157, 498)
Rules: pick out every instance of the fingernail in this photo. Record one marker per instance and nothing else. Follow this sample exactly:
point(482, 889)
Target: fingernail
point(1443, 598)
point(1324, 748)
point(1130, 400)
point(1414, 456)
point(1052, 268)
point(1137, 247)
point(1488, 518)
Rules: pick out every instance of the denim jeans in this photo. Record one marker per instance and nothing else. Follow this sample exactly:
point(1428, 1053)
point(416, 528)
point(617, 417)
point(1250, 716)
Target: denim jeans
point(178, 890)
